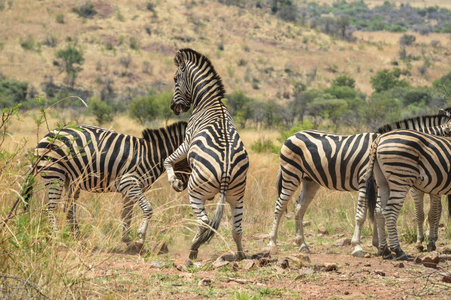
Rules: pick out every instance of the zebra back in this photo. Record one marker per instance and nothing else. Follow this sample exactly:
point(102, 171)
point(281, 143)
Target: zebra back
point(418, 123)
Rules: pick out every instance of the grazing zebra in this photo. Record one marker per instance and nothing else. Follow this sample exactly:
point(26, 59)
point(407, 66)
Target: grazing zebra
point(100, 160)
point(212, 146)
point(400, 160)
point(338, 163)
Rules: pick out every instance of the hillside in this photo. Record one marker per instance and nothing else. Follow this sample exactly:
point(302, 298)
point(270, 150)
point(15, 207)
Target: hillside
point(129, 46)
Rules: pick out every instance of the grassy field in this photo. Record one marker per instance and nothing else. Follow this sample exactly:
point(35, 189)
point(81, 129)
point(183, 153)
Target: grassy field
point(99, 265)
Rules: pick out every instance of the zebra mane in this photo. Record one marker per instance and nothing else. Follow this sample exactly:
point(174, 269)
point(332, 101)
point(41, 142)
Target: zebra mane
point(153, 135)
point(189, 55)
point(416, 123)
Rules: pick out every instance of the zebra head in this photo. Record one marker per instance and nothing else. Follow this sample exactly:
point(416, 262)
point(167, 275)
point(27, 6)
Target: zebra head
point(182, 99)
point(196, 81)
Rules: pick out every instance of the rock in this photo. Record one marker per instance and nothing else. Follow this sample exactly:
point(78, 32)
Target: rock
point(343, 242)
point(283, 263)
point(182, 263)
point(367, 255)
point(330, 267)
point(306, 223)
point(235, 266)
point(157, 264)
point(379, 272)
point(441, 225)
point(367, 265)
point(418, 259)
point(279, 270)
point(446, 279)
point(306, 271)
point(303, 257)
point(398, 265)
point(264, 253)
point(323, 230)
point(431, 260)
point(261, 236)
point(263, 262)
point(220, 263)
point(227, 257)
point(204, 282)
point(248, 264)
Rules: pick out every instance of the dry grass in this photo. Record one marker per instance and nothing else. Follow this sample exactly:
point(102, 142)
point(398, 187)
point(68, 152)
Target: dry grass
point(63, 267)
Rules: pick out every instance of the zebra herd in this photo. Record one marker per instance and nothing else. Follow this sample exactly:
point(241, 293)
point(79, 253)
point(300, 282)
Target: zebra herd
point(207, 156)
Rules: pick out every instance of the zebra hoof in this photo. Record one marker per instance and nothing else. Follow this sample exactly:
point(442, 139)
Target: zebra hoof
point(420, 247)
point(385, 253)
point(177, 185)
point(193, 254)
point(139, 246)
point(358, 252)
point(304, 248)
point(240, 255)
point(431, 247)
point(400, 255)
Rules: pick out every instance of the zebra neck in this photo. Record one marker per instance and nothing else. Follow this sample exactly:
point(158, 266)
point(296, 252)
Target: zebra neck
point(200, 104)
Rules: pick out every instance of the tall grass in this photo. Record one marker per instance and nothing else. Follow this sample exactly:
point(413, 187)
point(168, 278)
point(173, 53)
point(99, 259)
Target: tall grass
point(61, 266)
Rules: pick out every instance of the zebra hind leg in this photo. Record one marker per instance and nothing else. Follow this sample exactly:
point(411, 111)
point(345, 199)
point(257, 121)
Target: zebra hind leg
point(309, 189)
point(55, 191)
point(237, 232)
point(127, 219)
point(435, 212)
point(202, 220)
point(418, 198)
point(71, 206)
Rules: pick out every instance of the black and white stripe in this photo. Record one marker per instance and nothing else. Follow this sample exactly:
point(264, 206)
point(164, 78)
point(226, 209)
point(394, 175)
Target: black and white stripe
point(400, 160)
point(100, 160)
point(212, 145)
point(336, 162)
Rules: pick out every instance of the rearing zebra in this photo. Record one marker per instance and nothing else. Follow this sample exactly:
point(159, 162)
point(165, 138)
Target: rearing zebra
point(339, 163)
point(212, 146)
point(400, 160)
point(100, 160)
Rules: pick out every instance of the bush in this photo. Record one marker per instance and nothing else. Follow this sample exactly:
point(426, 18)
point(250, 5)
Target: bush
point(28, 43)
point(72, 59)
point(12, 92)
point(386, 79)
point(101, 110)
point(263, 145)
point(143, 109)
point(86, 10)
point(407, 39)
point(284, 135)
point(344, 80)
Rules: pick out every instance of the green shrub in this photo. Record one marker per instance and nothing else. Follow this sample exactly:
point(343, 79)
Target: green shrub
point(143, 109)
point(284, 135)
point(263, 145)
point(101, 110)
point(28, 43)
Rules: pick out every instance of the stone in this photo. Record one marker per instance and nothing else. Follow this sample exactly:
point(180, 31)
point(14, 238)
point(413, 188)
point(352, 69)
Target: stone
point(306, 223)
point(323, 230)
point(379, 272)
point(418, 259)
point(306, 271)
point(220, 263)
point(330, 267)
point(248, 264)
point(446, 279)
point(302, 257)
point(398, 265)
point(343, 242)
point(204, 282)
point(157, 264)
point(431, 260)
point(367, 255)
point(283, 263)
point(182, 263)
point(263, 262)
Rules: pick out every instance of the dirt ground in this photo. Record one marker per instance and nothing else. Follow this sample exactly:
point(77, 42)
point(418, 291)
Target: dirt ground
point(286, 275)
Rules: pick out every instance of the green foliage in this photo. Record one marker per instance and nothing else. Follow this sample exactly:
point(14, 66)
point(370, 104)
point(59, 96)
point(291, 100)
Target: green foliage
point(60, 18)
point(443, 84)
point(341, 92)
point(72, 59)
point(143, 109)
point(344, 80)
point(284, 135)
point(386, 79)
point(28, 43)
point(241, 107)
point(382, 108)
point(86, 10)
point(407, 39)
point(12, 92)
point(101, 110)
point(328, 107)
point(263, 145)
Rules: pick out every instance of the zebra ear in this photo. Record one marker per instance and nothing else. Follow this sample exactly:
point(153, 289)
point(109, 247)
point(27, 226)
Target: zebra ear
point(179, 60)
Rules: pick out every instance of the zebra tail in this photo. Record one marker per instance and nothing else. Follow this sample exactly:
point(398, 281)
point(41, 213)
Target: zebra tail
point(279, 181)
point(371, 195)
point(214, 223)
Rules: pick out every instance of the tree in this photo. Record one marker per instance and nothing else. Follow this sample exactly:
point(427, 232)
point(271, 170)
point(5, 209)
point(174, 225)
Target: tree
point(143, 109)
point(240, 106)
point(344, 80)
point(382, 108)
point(163, 105)
point(407, 39)
point(386, 79)
point(343, 23)
point(72, 59)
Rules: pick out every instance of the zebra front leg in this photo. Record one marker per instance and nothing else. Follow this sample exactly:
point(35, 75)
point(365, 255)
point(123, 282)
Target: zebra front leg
point(127, 211)
point(435, 212)
point(418, 197)
point(391, 212)
point(55, 192)
point(131, 189)
point(309, 189)
point(202, 220)
point(178, 155)
point(382, 245)
point(237, 232)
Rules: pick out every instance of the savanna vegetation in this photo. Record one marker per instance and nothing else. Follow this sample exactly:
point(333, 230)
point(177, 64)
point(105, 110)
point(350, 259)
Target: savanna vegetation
point(338, 66)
